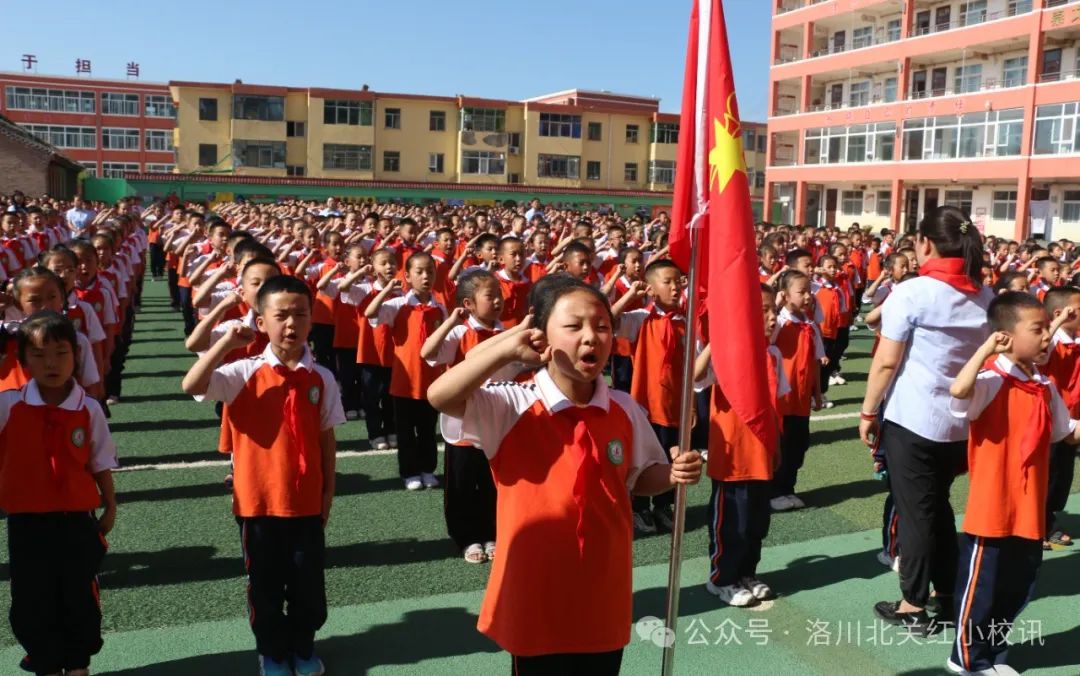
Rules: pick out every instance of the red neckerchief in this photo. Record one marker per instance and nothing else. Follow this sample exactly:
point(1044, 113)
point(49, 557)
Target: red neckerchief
point(669, 341)
point(294, 383)
point(1033, 429)
point(588, 471)
point(950, 271)
point(424, 309)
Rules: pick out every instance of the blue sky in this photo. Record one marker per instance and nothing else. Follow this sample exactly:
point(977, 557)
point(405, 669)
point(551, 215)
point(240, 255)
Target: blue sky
point(499, 49)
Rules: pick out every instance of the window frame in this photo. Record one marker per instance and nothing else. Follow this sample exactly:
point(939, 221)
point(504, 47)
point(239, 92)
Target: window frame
point(128, 104)
point(486, 161)
point(633, 133)
point(436, 163)
point(336, 154)
point(550, 165)
point(392, 118)
point(437, 120)
point(166, 134)
point(266, 108)
point(132, 139)
point(205, 109)
point(849, 198)
point(391, 161)
point(559, 125)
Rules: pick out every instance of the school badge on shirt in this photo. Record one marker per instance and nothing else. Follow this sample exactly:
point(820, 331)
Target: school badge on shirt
point(78, 437)
point(615, 452)
point(313, 394)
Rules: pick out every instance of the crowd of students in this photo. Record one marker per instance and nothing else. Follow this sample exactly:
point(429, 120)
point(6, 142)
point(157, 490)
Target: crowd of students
point(499, 330)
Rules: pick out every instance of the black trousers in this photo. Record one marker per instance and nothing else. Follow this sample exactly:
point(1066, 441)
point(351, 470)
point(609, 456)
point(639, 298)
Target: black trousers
point(739, 520)
point(157, 260)
point(668, 437)
point(843, 340)
point(890, 525)
point(378, 405)
point(348, 373)
point(54, 594)
point(568, 664)
point(415, 420)
point(921, 474)
point(622, 372)
point(187, 309)
point(830, 368)
point(794, 443)
point(469, 499)
point(285, 560)
point(995, 582)
point(322, 346)
point(1062, 468)
point(174, 287)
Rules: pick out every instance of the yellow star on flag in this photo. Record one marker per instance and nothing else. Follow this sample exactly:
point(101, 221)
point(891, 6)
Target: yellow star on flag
point(726, 156)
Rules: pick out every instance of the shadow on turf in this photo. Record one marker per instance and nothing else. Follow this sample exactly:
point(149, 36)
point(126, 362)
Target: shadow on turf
point(421, 635)
point(164, 425)
point(346, 484)
point(128, 375)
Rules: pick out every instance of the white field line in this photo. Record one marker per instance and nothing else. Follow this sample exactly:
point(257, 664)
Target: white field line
point(359, 454)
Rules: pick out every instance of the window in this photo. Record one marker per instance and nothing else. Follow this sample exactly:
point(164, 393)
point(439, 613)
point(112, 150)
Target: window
point(118, 169)
point(347, 112)
point(392, 118)
point(862, 37)
point(857, 143)
point(391, 160)
point(892, 30)
point(994, 134)
point(859, 94)
point(261, 154)
point(208, 109)
point(889, 93)
point(762, 140)
point(155, 105)
point(120, 104)
point(661, 171)
point(262, 108)
point(631, 133)
point(483, 162)
point(1070, 207)
point(630, 172)
point(1056, 129)
point(1020, 7)
point(592, 171)
point(64, 137)
point(665, 132)
point(851, 202)
point(759, 179)
point(972, 12)
point(295, 129)
point(1014, 73)
point(968, 78)
point(119, 139)
point(161, 168)
point(555, 124)
point(437, 122)
point(884, 202)
point(748, 138)
point(345, 156)
point(483, 119)
point(559, 166)
point(1004, 207)
point(961, 199)
point(207, 154)
point(90, 168)
point(50, 100)
point(159, 140)
point(595, 131)
point(294, 170)
point(435, 163)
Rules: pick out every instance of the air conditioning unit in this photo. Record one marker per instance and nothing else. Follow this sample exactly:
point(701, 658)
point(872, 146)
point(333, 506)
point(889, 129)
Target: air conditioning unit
point(468, 138)
point(514, 150)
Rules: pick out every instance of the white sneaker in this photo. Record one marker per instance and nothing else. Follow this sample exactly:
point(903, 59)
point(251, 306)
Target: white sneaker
point(780, 504)
point(351, 415)
point(833, 381)
point(392, 440)
point(379, 444)
point(837, 379)
point(113, 400)
point(429, 480)
point(896, 565)
point(360, 414)
point(413, 483)
point(732, 594)
point(759, 589)
point(885, 560)
point(796, 503)
point(825, 403)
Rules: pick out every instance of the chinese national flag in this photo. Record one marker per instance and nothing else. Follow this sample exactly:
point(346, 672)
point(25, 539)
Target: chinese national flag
point(712, 193)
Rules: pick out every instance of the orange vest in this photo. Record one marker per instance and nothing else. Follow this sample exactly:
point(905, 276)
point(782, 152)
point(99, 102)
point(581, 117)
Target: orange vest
point(515, 295)
point(795, 341)
point(873, 266)
point(829, 300)
point(1063, 369)
point(374, 344)
point(658, 357)
point(411, 374)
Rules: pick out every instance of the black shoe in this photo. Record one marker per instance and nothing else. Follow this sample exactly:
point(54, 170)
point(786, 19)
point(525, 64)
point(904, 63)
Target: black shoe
point(917, 623)
point(25, 665)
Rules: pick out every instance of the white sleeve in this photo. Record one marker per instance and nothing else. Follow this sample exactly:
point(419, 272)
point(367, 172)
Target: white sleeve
point(819, 344)
point(108, 309)
point(228, 380)
point(490, 413)
point(783, 386)
point(388, 311)
point(331, 289)
point(897, 321)
point(331, 413)
point(88, 371)
point(987, 384)
point(630, 324)
point(94, 330)
point(449, 346)
point(1061, 424)
point(646, 451)
point(102, 448)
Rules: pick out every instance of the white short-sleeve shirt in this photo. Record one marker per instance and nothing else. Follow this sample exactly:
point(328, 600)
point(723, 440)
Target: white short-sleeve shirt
point(942, 328)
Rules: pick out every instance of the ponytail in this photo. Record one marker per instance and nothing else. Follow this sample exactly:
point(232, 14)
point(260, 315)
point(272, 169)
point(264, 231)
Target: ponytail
point(955, 236)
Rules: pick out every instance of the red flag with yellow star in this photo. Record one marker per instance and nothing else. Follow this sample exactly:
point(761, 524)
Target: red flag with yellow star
point(712, 193)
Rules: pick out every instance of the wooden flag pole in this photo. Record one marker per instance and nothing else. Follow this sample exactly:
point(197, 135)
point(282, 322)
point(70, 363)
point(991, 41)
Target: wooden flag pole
point(686, 411)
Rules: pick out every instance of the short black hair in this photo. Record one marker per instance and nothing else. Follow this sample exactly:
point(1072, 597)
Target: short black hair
point(260, 260)
point(1044, 261)
point(576, 247)
point(1004, 310)
point(548, 290)
point(1007, 278)
point(788, 278)
point(38, 272)
point(794, 255)
point(1058, 297)
point(626, 252)
point(483, 240)
point(472, 282)
point(661, 264)
point(280, 284)
point(45, 326)
point(418, 257)
point(509, 240)
point(59, 250)
point(251, 246)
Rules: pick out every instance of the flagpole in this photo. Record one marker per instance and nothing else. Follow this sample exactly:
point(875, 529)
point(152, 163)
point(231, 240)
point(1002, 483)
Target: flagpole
point(685, 427)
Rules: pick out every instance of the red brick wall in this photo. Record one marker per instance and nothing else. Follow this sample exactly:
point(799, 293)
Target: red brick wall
point(22, 167)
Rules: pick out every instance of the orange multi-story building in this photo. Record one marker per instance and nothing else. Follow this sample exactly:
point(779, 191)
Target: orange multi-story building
point(111, 127)
point(880, 110)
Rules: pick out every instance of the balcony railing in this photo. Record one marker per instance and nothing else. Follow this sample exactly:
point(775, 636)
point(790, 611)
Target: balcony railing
point(1059, 76)
point(972, 20)
point(882, 38)
point(790, 6)
point(1057, 3)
